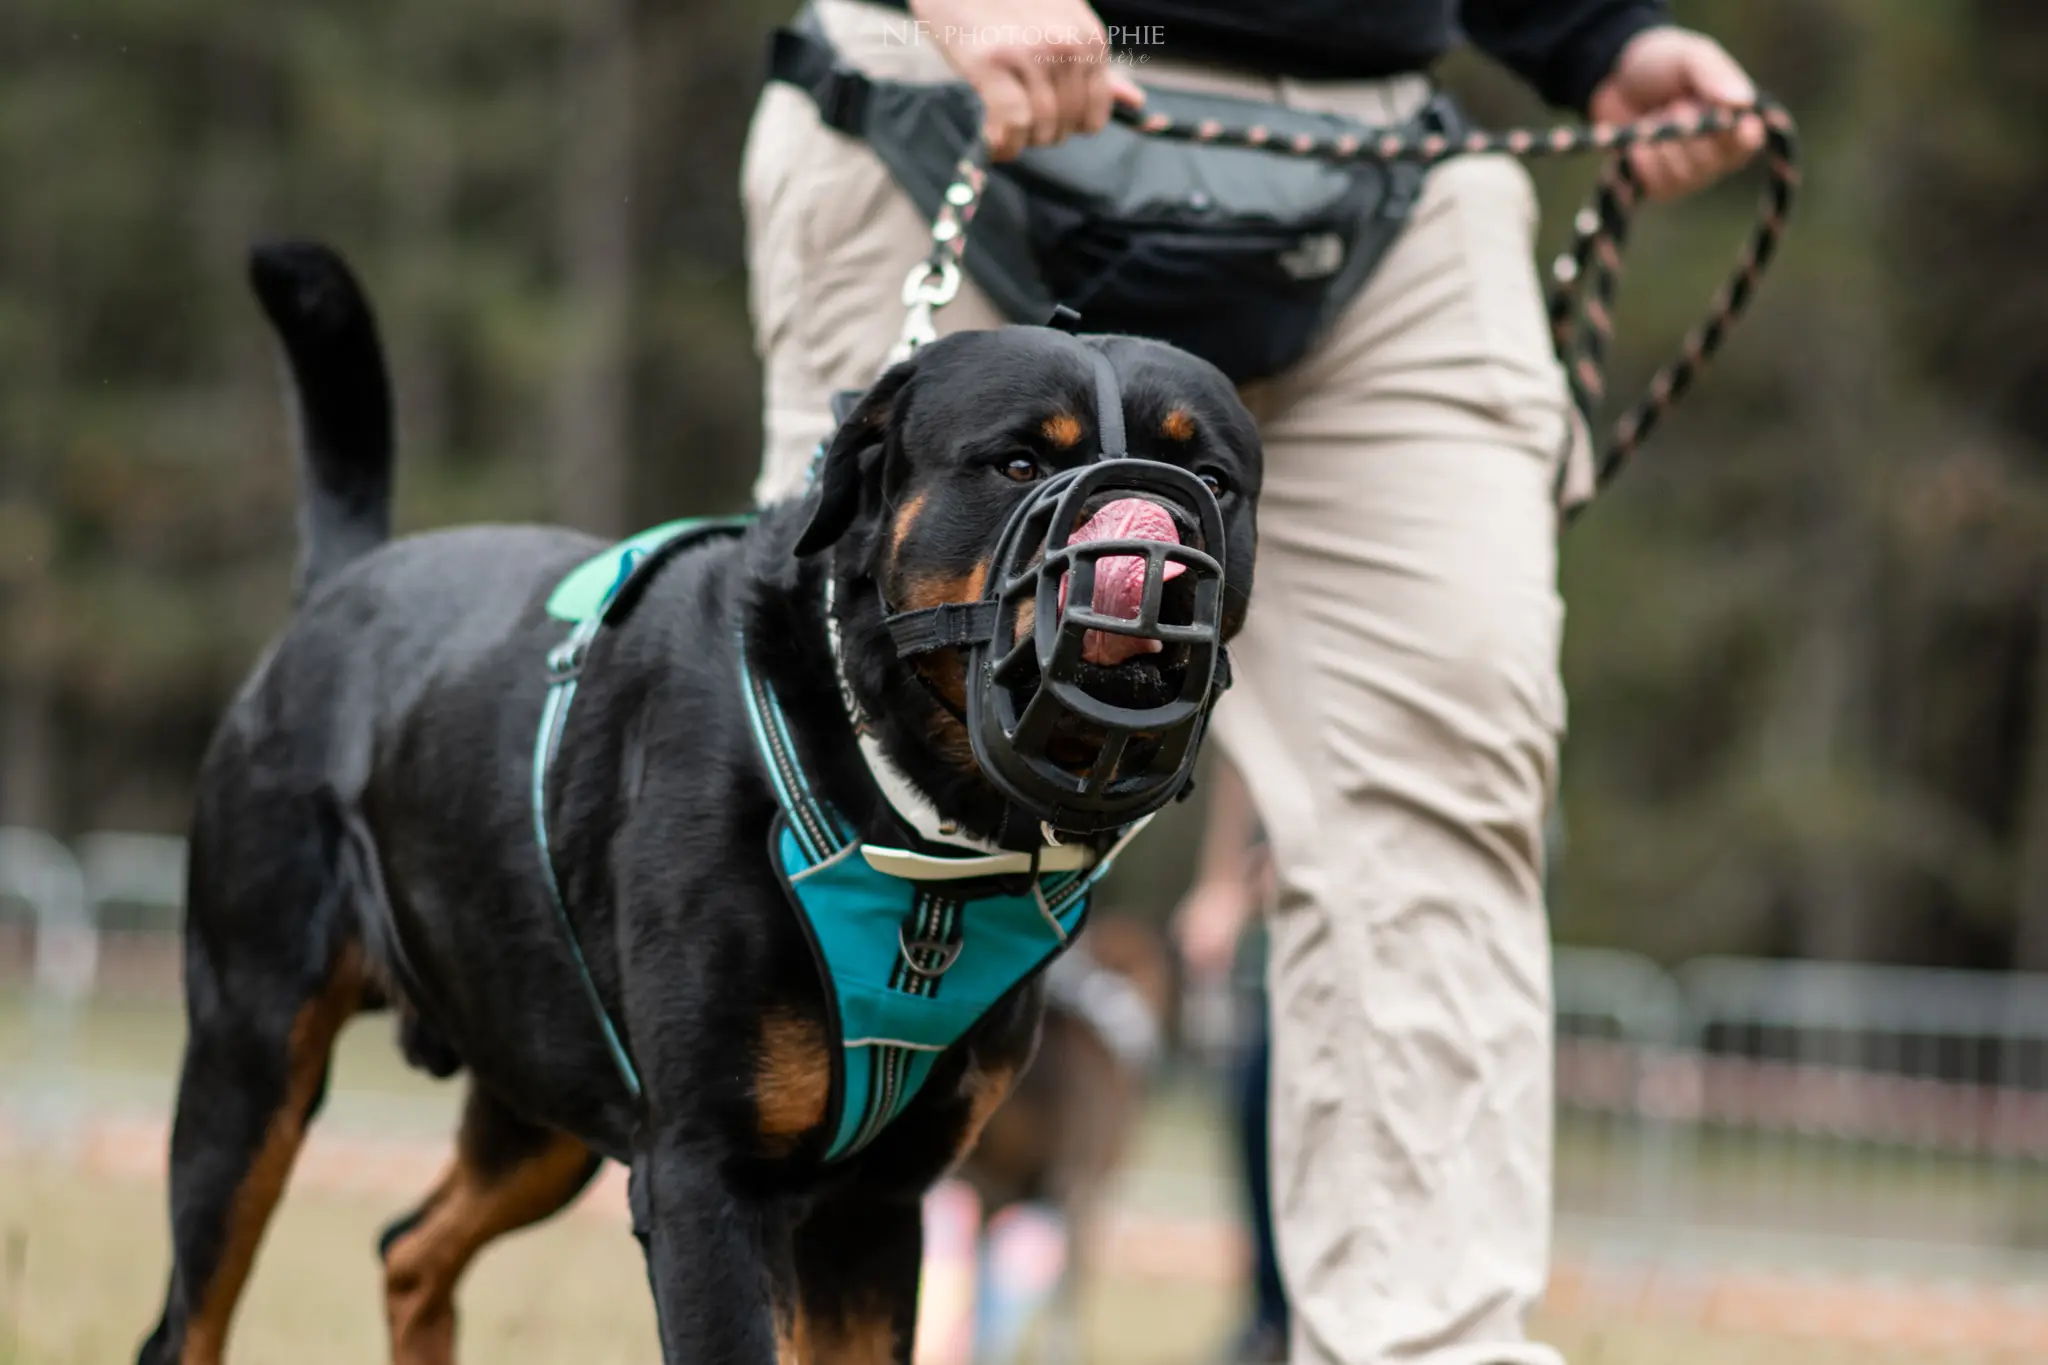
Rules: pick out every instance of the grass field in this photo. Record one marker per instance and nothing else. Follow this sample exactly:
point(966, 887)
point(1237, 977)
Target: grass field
point(82, 1245)
point(123, 1056)
point(85, 1259)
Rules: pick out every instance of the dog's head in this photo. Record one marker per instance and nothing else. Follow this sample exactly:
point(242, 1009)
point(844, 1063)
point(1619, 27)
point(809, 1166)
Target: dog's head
point(916, 489)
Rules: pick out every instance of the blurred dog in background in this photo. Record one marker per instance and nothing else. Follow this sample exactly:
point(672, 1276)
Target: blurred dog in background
point(1026, 1207)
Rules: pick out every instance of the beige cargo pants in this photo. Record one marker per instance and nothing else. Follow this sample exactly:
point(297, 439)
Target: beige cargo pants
point(1397, 708)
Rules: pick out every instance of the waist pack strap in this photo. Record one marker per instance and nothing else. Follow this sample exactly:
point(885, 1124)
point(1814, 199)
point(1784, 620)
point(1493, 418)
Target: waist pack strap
point(800, 56)
point(1248, 278)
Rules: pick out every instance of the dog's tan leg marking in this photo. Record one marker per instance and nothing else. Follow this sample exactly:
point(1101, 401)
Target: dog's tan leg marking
point(312, 1041)
point(468, 1209)
point(792, 1339)
point(792, 1078)
point(859, 1339)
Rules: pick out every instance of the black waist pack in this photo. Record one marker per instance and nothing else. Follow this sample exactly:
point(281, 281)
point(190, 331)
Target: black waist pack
point(1241, 257)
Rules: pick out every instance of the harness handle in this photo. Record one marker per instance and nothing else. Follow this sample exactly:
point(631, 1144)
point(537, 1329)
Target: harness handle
point(1584, 278)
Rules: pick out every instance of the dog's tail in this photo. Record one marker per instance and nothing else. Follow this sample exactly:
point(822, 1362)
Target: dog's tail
point(343, 397)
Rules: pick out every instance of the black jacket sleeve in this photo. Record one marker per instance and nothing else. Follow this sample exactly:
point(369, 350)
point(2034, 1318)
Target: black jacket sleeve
point(1562, 47)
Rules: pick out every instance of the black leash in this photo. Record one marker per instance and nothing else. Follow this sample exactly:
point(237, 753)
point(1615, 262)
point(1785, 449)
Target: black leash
point(1585, 277)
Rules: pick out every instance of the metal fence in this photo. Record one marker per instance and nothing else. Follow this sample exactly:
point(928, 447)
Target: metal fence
point(1879, 1117)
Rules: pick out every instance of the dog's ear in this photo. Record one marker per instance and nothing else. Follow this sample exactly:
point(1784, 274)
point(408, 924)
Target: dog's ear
point(853, 459)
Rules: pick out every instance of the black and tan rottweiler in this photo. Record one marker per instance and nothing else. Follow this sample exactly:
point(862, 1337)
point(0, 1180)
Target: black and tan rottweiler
point(363, 839)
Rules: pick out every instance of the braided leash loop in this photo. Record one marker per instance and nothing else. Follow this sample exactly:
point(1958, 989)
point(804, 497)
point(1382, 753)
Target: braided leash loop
point(1585, 278)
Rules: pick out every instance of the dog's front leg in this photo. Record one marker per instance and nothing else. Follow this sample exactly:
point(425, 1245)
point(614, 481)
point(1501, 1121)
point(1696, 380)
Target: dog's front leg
point(857, 1260)
point(711, 1257)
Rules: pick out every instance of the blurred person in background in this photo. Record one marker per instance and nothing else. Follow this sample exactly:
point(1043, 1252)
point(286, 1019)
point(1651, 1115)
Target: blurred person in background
point(1219, 930)
point(1397, 708)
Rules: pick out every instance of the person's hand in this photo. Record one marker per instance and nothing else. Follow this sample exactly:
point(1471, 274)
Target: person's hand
point(1207, 926)
point(1041, 67)
point(1669, 72)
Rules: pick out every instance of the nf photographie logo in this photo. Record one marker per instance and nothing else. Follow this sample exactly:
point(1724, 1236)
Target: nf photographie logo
point(1123, 39)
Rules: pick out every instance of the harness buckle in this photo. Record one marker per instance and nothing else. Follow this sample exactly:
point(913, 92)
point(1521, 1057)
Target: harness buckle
point(565, 660)
point(944, 955)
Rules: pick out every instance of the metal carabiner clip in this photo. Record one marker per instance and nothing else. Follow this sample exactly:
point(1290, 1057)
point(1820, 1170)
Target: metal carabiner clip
point(930, 286)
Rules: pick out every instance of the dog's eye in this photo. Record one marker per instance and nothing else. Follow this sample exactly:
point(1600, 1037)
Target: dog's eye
point(1218, 485)
point(1021, 470)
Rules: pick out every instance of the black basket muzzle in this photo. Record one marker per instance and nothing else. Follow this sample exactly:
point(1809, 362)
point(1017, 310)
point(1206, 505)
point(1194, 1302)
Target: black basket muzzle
point(1024, 644)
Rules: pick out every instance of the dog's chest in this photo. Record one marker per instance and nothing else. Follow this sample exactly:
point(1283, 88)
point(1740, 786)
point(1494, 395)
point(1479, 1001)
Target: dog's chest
point(908, 964)
point(909, 968)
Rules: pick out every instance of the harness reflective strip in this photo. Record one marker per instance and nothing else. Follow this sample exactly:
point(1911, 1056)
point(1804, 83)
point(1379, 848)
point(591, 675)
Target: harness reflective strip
point(565, 661)
point(900, 974)
point(824, 863)
point(1064, 898)
point(881, 1097)
point(829, 829)
point(575, 599)
point(886, 1074)
point(937, 923)
point(876, 1069)
point(809, 826)
point(946, 933)
point(547, 742)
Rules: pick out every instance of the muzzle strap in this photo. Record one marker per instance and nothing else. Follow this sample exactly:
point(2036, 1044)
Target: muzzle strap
point(1109, 407)
point(952, 625)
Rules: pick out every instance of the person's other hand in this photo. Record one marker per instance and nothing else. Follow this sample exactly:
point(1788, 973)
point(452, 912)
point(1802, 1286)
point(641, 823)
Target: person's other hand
point(1671, 72)
point(1207, 926)
point(1041, 67)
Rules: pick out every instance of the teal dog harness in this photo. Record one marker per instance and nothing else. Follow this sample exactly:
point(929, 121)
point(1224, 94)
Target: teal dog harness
point(913, 949)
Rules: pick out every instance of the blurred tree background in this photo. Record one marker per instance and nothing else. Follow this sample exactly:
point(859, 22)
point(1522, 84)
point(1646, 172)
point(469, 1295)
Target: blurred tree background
point(1809, 644)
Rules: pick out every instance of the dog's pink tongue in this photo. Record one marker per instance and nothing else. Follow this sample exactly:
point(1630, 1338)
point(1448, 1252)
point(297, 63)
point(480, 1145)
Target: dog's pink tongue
point(1120, 579)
